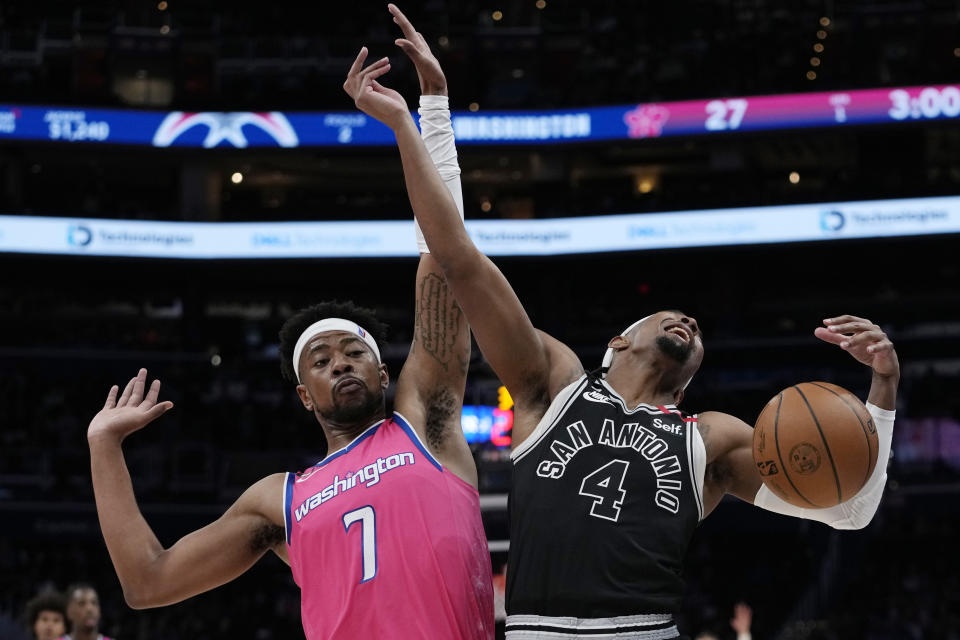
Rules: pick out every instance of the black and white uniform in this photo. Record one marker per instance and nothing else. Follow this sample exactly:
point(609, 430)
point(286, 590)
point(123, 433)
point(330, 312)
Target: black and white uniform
point(603, 505)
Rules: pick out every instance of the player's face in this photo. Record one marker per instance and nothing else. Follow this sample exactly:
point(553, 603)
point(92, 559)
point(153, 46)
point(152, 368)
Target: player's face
point(676, 335)
point(84, 609)
point(50, 625)
point(341, 378)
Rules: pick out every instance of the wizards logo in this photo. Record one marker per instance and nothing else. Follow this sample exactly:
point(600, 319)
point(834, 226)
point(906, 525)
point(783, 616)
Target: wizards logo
point(226, 127)
point(646, 121)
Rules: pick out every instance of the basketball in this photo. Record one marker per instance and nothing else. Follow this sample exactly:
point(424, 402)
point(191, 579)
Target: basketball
point(815, 445)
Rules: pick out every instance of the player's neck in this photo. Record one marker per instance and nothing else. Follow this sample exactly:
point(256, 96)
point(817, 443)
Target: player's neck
point(85, 634)
point(340, 435)
point(645, 386)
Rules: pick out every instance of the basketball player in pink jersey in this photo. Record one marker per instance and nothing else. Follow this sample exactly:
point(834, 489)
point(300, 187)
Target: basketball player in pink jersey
point(83, 613)
point(383, 535)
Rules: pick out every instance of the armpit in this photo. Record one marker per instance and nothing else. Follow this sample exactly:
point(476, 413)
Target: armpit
point(718, 475)
point(266, 537)
point(441, 407)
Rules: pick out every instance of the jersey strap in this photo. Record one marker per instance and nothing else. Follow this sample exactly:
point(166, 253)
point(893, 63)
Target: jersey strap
point(639, 627)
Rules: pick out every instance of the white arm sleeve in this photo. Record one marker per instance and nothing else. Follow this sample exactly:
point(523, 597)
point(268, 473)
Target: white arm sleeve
point(856, 512)
point(436, 130)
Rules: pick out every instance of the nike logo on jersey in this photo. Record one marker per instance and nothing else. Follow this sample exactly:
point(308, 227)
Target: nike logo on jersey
point(596, 396)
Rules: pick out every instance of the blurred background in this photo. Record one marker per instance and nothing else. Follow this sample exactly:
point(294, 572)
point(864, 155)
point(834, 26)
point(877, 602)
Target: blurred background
point(73, 325)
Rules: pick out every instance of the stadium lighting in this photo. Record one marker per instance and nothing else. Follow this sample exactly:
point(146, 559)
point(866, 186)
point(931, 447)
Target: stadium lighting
point(794, 177)
point(236, 178)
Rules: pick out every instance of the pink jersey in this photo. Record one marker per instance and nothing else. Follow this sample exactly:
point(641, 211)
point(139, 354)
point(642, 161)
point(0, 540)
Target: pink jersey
point(386, 543)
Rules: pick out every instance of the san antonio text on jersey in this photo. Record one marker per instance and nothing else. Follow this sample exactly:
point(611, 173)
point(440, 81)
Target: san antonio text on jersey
point(604, 502)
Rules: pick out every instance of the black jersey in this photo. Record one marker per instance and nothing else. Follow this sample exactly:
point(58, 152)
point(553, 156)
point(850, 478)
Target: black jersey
point(603, 505)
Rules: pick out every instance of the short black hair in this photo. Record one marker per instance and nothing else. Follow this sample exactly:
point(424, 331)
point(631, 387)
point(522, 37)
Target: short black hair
point(77, 586)
point(298, 323)
point(46, 601)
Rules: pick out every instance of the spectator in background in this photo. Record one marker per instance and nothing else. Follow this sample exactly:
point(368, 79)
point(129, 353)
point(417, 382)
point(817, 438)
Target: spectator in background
point(740, 622)
point(83, 612)
point(47, 616)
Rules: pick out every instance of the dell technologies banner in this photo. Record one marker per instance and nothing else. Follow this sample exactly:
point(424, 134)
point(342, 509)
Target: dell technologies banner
point(635, 232)
point(649, 120)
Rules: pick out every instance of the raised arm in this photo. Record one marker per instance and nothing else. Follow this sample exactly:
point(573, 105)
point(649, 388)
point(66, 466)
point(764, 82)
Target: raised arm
point(150, 575)
point(430, 387)
point(516, 351)
point(729, 441)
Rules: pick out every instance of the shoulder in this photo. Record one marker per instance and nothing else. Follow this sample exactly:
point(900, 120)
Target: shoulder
point(565, 366)
point(264, 498)
point(722, 433)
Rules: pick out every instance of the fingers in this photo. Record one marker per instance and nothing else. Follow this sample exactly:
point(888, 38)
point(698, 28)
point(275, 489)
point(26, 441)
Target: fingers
point(125, 396)
point(138, 385)
point(843, 320)
point(357, 78)
point(152, 395)
point(864, 338)
point(829, 336)
point(156, 411)
point(358, 63)
point(111, 397)
point(405, 25)
point(407, 47)
point(852, 327)
point(376, 70)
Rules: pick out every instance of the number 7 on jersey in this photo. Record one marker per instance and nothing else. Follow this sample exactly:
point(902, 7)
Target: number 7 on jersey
point(367, 518)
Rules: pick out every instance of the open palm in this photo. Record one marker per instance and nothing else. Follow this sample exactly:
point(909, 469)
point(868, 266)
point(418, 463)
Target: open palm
point(131, 412)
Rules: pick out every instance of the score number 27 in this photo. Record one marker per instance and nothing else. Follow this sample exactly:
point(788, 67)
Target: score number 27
point(725, 115)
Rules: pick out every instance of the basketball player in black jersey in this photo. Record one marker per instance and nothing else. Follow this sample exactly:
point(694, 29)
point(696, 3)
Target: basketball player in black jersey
point(610, 477)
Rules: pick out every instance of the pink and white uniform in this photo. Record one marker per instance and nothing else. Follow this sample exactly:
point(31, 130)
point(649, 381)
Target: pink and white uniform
point(385, 543)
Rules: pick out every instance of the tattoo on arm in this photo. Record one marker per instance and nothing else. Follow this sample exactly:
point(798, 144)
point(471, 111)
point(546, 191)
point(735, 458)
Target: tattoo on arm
point(438, 323)
point(266, 537)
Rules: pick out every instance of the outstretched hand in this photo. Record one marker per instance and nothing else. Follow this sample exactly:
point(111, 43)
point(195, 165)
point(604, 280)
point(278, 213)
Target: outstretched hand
point(371, 97)
point(132, 412)
point(742, 618)
point(863, 340)
point(432, 80)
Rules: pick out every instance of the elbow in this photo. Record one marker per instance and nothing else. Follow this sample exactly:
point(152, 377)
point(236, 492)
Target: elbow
point(459, 263)
point(141, 596)
point(135, 599)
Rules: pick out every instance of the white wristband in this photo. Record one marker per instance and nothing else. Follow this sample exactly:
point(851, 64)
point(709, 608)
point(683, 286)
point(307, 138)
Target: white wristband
point(436, 130)
point(856, 512)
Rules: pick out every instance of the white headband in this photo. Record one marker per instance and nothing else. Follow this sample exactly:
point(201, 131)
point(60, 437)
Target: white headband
point(608, 356)
point(330, 324)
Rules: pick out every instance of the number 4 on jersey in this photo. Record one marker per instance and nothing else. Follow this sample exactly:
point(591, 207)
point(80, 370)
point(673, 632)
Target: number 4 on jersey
point(606, 486)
